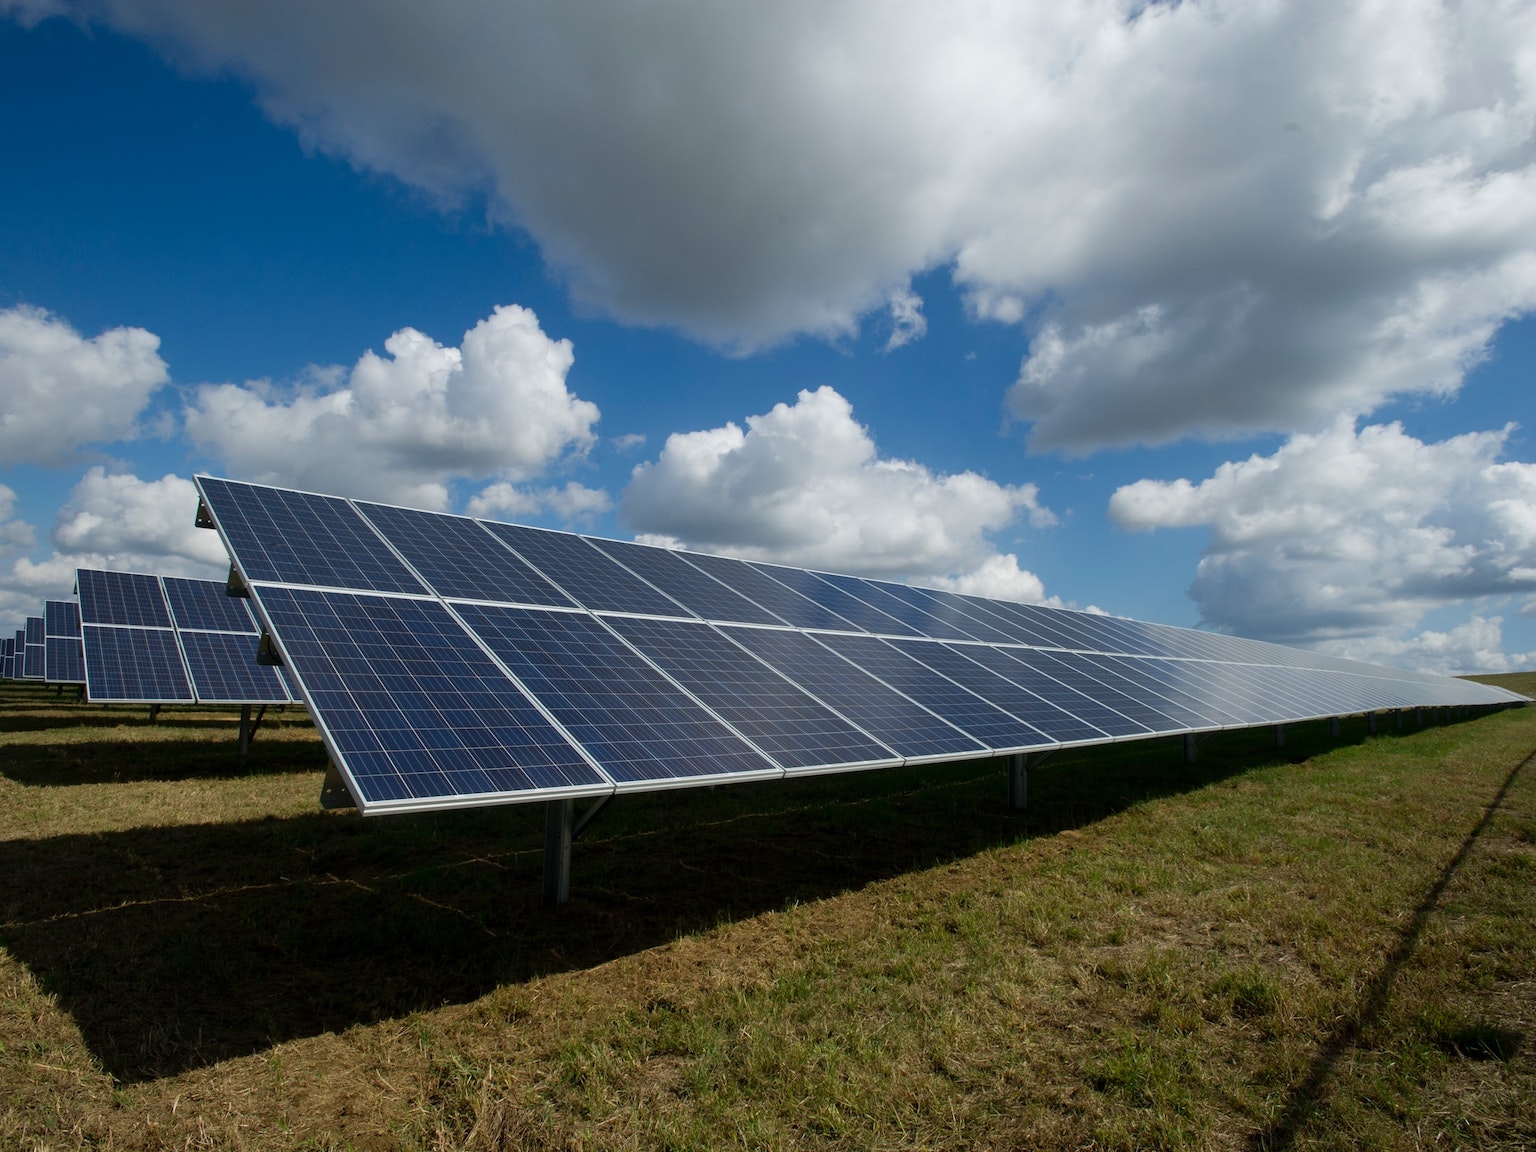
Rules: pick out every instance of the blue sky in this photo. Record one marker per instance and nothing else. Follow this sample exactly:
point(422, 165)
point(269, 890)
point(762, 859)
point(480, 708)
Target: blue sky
point(1130, 250)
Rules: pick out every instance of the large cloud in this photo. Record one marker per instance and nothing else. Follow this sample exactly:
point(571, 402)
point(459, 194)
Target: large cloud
point(400, 426)
point(114, 521)
point(60, 391)
point(1346, 539)
point(804, 485)
point(1216, 216)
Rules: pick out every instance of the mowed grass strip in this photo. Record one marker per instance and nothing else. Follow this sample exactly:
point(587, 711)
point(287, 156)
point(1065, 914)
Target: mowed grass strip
point(1335, 949)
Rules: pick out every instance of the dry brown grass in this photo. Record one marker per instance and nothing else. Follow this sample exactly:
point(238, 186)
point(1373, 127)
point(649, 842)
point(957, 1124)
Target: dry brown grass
point(1333, 950)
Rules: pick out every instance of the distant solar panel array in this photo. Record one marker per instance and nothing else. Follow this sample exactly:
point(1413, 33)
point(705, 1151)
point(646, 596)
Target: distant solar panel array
point(449, 661)
point(167, 640)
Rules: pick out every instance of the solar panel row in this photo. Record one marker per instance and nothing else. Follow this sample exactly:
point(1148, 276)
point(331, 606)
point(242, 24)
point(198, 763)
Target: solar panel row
point(168, 640)
point(449, 661)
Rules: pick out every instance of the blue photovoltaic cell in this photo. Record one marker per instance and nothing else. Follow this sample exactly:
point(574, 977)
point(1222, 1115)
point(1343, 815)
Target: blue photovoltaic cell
point(225, 670)
point(459, 558)
point(300, 538)
point(1026, 668)
point(703, 596)
point(414, 710)
point(988, 723)
point(980, 670)
point(1038, 621)
point(1108, 672)
point(920, 619)
point(133, 665)
point(591, 578)
point(862, 616)
point(632, 720)
point(64, 660)
point(61, 618)
point(948, 607)
point(784, 602)
point(775, 715)
point(121, 598)
point(1218, 684)
point(893, 719)
point(995, 613)
point(1202, 706)
point(34, 662)
point(1070, 669)
point(206, 605)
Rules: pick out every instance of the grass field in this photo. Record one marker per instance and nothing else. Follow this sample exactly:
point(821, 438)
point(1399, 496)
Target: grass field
point(1336, 949)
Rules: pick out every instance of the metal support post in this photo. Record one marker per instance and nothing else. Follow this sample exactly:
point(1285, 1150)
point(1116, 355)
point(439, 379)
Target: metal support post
point(1397, 719)
point(1370, 723)
point(1333, 727)
point(559, 820)
point(245, 733)
point(1018, 782)
point(154, 712)
point(1279, 735)
point(1191, 748)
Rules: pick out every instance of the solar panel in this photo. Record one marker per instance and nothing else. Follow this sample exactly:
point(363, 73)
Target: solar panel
point(414, 709)
point(784, 602)
point(214, 635)
point(7, 657)
point(637, 724)
point(700, 593)
point(863, 616)
point(449, 661)
point(777, 716)
point(34, 657)
point(897, 721)
point(918, 618)
point(206, 605)
point(301, 538)
point(63, 658)
point(18, 653)
point(128, 665)
point(61, 618)
point(458, 558)
point(224, 669)
point(978, 718)
point(130, 598)
point(588, 576)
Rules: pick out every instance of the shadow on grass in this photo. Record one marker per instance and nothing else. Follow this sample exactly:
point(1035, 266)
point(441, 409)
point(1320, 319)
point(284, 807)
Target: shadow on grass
point(122, 762)
point(176, 947)
point(1477, 1040)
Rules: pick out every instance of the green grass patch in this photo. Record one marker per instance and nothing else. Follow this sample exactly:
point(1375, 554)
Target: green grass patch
point(1327, 946)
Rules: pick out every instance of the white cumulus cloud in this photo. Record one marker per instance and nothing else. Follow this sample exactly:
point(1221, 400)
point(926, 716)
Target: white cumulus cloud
point(1216, 217)
point(60, 391)
point(907, 320)
point(115, 521)
point(804, 484)
point(1345, 539)
point(570, 502)
point(400, 426)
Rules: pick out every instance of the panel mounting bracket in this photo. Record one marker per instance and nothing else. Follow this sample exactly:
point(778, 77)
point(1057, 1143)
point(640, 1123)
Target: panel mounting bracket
point(235, 585)
point(204, 517)
point(266, 651)
point(333, 792)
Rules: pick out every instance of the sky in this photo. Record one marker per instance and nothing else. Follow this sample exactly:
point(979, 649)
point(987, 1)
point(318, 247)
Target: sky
point(1214, 314)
